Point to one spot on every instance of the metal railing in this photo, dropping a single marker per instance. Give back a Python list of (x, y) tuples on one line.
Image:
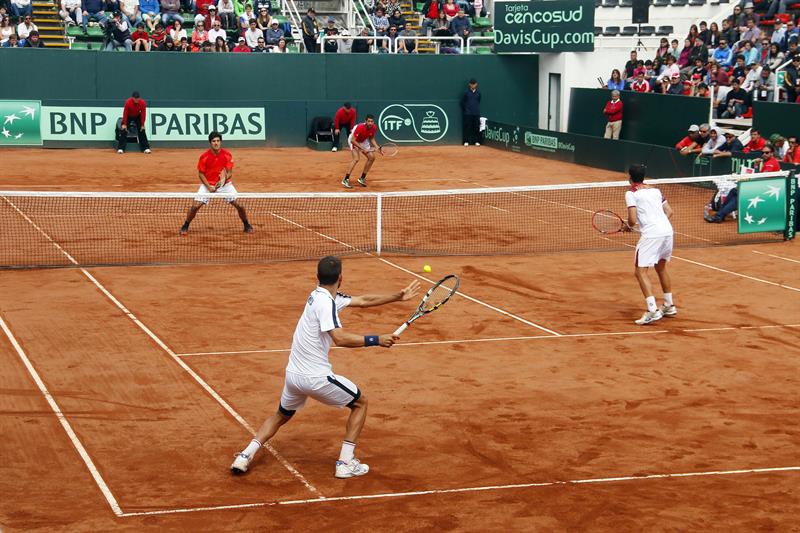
[(374, 46), (289, 7), (459, 42), (776, 95), (368, 23), (474, 38)]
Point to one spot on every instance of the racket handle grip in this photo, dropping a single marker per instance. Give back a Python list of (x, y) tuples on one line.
[(401, 329)]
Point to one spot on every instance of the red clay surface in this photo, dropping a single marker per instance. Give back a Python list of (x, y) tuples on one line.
[(471, 397)]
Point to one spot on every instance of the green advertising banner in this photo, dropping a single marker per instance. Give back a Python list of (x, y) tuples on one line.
[(762, 205), (176, 124), (543, 26), (19, 120)]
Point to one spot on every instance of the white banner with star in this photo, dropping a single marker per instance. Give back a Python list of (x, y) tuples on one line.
[(20, 123), (762, 205)]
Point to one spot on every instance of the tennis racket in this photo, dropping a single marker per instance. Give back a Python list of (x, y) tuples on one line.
[(437, 296), (388, 149), (608, 222)]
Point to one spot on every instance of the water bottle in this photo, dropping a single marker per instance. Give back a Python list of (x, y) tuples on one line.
[(707, 209)]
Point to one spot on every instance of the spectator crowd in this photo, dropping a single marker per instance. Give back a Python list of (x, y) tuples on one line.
[(240, 25), (735, 64)]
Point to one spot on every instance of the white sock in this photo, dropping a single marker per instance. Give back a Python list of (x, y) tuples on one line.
[(651, 303), (252, 448), (348, 448), (668, 298)]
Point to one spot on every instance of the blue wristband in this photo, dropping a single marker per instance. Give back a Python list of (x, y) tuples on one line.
[(371, 340)]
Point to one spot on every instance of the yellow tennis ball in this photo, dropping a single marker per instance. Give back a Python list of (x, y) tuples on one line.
[(426, 268)]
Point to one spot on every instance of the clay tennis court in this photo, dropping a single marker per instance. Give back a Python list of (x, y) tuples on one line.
[(530, 401)]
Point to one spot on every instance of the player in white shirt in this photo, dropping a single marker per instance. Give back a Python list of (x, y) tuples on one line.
[(651, 211), (309, 372)]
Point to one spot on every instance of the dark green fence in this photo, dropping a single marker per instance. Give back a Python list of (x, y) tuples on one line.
[(293, 87), (646, 117), (772, 117)]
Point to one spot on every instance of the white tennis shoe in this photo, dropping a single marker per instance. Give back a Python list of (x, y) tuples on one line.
[(240, 464), (649, 317), (668, 310), (354, 468)]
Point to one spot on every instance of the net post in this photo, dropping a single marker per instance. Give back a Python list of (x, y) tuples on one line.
[(791, 206), (378, 222)]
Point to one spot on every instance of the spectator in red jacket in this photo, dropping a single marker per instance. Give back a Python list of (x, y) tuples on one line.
[(756, 143), (687, 143), (793, 151), (613, 112), (769, 163), (133, 114), (241, 46), (345, 117), (640, 85)]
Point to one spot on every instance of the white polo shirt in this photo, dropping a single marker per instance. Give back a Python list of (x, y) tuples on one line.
[(312, 339), (649, 204)]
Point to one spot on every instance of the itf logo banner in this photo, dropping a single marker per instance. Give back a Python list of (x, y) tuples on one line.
[(20, 123), (413, 123)]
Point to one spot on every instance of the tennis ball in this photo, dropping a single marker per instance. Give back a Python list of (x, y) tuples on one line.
[(426, 268)]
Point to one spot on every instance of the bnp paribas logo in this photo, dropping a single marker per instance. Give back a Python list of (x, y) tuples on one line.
[(762, 205), (20, 123), (413, 123)]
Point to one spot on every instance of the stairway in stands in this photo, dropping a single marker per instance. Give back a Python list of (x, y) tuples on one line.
[(51, 29)]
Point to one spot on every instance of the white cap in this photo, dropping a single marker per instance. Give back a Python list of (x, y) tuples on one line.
[(694, 127)]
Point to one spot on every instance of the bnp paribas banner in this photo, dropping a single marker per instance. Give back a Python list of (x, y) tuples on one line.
[(764, 205), (31, 123), (543, 26)]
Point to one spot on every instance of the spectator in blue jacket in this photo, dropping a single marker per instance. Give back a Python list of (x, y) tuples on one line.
[(471, 111), (461, 25), (723, 55), (93, 10), (151, 13)]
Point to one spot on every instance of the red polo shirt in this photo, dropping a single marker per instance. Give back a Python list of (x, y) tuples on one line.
[(771, 165), (211, 164), (133, 110), (364, 132), (344, 116)]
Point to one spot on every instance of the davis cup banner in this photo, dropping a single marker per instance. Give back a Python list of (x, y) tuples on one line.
[(543, 26)]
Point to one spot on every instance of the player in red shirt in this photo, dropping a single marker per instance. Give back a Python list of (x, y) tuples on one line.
[(215, 170), (134, 112), (362, 140), (345, 117)]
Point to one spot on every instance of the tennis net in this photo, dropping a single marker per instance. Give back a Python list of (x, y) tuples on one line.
[(51, 229)]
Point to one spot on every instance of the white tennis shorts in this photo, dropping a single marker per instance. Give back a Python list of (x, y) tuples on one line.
[(227, 190), (365, 144), (650, 251), (334, 390)]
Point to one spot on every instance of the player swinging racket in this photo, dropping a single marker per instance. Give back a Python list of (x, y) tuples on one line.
[(648, 208), (362, 141), (309, 372), (215, 170)]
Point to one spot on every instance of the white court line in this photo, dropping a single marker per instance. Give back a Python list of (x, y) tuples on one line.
[(459, 293), (775, 256), (98, 479), (588, 481), (213, 393), (731, 272), (521, 338)]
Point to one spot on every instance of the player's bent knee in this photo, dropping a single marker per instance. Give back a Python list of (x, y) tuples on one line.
[(286, 414), (359, 402)]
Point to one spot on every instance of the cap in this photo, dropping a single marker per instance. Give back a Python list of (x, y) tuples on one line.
[(748, 5), (273, 22), (694, 127), (212, 6), (729, 134), (241, 39)]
